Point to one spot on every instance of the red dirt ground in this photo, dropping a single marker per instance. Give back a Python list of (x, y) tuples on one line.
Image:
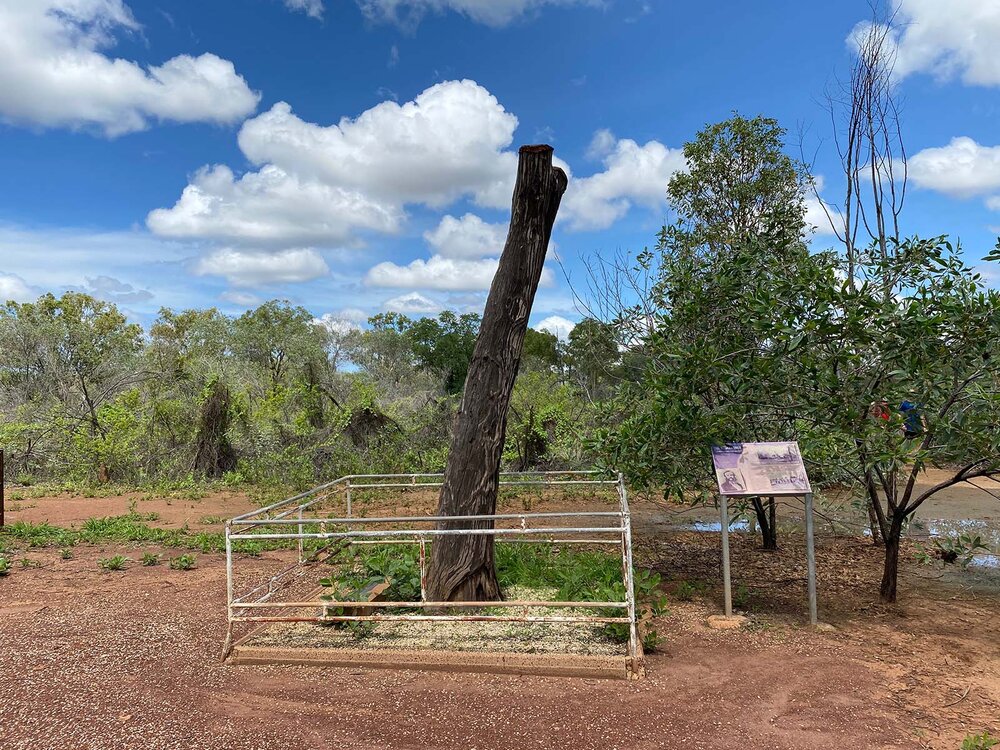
[(131, 660)]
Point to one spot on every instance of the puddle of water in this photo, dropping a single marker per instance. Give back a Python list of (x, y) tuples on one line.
[(939, 527), (716, 526), (987, 531), (991, 561)]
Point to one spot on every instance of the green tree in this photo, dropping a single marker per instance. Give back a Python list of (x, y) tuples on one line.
[(444, 346), (186, 342), (740, 188), (853, 355), (545, 416), (541, 351), (740, 230), (278, 337), (382, 351), (592, 356), (74, 354)]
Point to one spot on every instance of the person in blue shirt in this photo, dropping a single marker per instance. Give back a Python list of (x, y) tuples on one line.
[(913, 419)]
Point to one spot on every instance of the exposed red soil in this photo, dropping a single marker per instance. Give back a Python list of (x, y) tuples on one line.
[(131, 660), (171, 512)]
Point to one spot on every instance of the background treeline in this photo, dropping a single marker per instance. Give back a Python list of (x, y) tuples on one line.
[(270, 398), (879, 355)]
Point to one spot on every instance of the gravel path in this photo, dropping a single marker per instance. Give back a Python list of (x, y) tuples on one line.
[(130, 660)]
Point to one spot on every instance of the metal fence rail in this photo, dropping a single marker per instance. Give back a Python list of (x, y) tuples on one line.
[(297, 518)]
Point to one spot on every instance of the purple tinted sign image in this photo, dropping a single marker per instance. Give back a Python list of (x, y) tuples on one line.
[(760, 469)]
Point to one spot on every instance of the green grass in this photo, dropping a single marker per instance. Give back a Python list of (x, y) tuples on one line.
[(130, 528), (37, 534), (574, 575)]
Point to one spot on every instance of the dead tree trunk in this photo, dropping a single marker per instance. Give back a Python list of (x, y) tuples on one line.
[(214, 455), (462, 566)]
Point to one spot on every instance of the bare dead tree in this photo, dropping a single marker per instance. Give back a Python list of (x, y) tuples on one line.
[(864, 114), (462, 567)]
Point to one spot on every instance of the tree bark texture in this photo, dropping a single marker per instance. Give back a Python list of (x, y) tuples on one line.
[(462, 567)]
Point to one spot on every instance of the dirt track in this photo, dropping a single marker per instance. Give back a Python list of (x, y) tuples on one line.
[(124, 660), (130, 660)]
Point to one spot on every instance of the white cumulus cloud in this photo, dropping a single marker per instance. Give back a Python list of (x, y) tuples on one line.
[(270, 207), (258, 268), (948, 39), (962, 169), (14, 288), (344, 321), (819, 217), (467, 237), (557, 325), (633, 175), (54, 72), (319, 184), (439, 272), (242, 299), (413, 303), (312, 8), (444, 144)]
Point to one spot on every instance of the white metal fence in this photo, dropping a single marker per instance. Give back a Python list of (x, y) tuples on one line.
[(302, 517)]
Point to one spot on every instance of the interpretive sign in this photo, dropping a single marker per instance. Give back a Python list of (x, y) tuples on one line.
[(760, 469)]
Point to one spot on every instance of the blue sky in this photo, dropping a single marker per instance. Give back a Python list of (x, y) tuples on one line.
[(355, 156)]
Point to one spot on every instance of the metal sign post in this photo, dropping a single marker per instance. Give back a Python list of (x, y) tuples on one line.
[(811, 559), (763, 469), (727, 585)]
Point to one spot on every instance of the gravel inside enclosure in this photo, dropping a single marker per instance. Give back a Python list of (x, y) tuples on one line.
[(512, 637)]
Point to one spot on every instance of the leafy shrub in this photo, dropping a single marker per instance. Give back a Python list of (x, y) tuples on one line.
[(400, 567), (183, 562), (117, 562), (4, 567), (685, 591), (741, 596), (66, 553), (982, 741), (959, 549), (150, 559)]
